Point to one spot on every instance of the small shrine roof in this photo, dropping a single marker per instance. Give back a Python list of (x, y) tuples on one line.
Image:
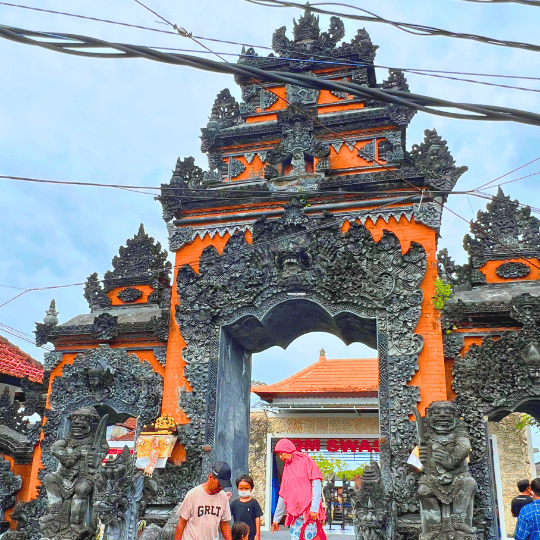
[(17, 363), (359, 376)]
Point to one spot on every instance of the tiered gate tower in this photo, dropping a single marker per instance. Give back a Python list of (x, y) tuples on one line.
[(311, 217)]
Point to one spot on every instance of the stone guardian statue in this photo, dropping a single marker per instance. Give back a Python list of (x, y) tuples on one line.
[(71, 486), (446, 487)]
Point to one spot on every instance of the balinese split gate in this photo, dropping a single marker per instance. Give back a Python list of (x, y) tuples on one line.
[(312, 216)]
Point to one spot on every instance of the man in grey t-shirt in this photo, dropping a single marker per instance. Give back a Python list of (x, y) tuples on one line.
[(205, 510)]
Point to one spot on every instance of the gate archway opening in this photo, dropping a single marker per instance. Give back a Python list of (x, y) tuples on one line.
[(239, 340)]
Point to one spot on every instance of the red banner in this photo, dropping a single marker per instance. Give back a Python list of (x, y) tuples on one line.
[(337, 445)]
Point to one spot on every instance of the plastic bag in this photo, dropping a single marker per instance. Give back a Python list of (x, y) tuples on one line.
[(319, 535)]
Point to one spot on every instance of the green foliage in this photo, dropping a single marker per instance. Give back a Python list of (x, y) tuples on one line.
[(442, 293), (330, 466), (526, 420)]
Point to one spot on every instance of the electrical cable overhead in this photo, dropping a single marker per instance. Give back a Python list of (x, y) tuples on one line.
[(410, 28), (321, 58), (506, 174), (533, 3), (72, 44)]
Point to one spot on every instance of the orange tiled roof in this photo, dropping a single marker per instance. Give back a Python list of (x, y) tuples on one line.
[(334, 376), (129, 436), (130, 423), (17, 363)]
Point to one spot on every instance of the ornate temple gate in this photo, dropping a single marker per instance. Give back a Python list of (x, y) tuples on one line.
[(312, 217)]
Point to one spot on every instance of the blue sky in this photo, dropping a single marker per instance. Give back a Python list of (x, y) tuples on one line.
[(126, 122)]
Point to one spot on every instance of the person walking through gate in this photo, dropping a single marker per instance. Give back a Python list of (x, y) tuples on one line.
[(528, 525), (205, 510), (300, 492), (522, 499)]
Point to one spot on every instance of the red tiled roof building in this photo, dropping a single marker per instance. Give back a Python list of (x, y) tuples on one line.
[(16, 364)]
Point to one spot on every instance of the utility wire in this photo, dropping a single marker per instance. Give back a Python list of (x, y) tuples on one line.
[(534, 3), (286, 236), (322, 58), (410, 28), (506, 174), (72, 44)]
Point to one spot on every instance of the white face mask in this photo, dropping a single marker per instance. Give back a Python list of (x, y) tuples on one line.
[(244, 492)]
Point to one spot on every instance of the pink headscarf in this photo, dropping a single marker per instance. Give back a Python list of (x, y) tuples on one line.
[(296, 489)]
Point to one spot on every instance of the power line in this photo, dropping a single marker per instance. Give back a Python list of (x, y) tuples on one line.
[(329, 60), (72, 44), (506, 174), (410, 28), (534, 3), (4, 328)]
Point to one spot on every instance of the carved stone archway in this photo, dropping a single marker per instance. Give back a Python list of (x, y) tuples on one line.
[(493, 380), (347, 277)]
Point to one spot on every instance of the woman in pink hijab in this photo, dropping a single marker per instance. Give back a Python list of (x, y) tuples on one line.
[(300, 492)]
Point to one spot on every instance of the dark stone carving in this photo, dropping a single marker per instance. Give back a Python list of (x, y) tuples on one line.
[(453, 343), (141, 261), (27, 515), (160, 326), (178, 237), (105, 326), (267, 99), (391, 149), (399, 114), (225, 111), (17, 436), (429, 213), (298, 140), (396, 81), (371, 506), (345, 272), (119, 488), (71, 487), (433, 159), (51, 360), (102, 376), (51, 316), (513, 270), (10, 483), (161, 355), (502, 231), (307, 36), (460, 276), (446, 487), (43, 330), (236, 167), (300, 94), (185, 175), (492, 380), (95, 295), (129, 294), (367, 152)]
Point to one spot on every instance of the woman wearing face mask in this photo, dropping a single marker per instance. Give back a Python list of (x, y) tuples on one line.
[(300, 492), (246, 508)]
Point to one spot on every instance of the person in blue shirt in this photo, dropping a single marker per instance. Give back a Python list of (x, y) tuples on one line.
[(528, 525)]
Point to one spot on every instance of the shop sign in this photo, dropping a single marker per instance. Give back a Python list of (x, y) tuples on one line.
[(337, 445)]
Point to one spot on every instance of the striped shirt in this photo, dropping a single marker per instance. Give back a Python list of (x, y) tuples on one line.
[(528, 525)]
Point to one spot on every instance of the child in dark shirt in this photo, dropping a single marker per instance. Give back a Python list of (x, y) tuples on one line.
[(246, 508)]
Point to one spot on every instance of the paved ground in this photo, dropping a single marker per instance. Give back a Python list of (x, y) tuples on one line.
[(334, 534)]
